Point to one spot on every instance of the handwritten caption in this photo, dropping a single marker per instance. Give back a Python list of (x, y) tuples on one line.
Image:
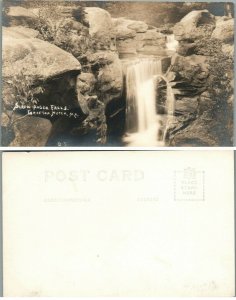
[(46, 110)]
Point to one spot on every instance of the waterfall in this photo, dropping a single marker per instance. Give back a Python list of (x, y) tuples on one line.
[(143, 125), (171, 44)]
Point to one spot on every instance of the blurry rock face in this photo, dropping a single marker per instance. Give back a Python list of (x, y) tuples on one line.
[(125, 28), (192, 25), (85, 82), (19, 16), (224, 30), (99, 20), (110, 80), (133, 36)]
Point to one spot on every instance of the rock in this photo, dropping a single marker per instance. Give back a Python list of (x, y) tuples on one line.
[(192, 69), (125, 28), (29, 63), (138, 26), (121, 29), (165, 63), (85, 82), (34, 57), (150, 41), (228, 49), (186, 105), (100, 58), (193, 25), (133, 36), (5, 120), (197, 133), (100, 22), (191, 73), (31, 132), (186, 49), (19, 16), (151, 35), (124, 33), (84, 86), (205, 102), (93, 102), (83, 104), (128, 46), (20, 32), (224, 30), (110, 81)]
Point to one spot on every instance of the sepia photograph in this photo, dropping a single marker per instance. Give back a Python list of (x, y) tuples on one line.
[(117, 74)]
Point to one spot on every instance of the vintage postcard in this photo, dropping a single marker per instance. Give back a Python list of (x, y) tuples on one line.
[(131, 224), (117, 73)]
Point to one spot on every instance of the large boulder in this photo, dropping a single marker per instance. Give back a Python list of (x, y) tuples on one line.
[(189, 74), (32, 60), (125, 28), (100, 22), (193, 25), (110, 80), (224, 30), (107, 68), (197, 133), (36, 57), (100, 58), (20, 32), (19, 16), (85, 82), (31, 132), (134, 36), (186, 106), (36, 72)]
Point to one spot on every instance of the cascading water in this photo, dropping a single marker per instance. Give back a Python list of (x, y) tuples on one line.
[(144, 126), (141, 119), (171, 44)]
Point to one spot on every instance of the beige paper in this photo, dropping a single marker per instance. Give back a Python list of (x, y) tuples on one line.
[(118, 223)]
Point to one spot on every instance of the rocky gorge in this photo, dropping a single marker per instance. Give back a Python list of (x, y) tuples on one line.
[(64, 80)]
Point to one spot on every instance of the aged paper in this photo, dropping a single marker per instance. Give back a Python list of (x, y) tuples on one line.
[(118, 223)]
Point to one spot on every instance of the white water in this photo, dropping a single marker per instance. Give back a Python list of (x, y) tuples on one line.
[(171, 44), (144, 126)]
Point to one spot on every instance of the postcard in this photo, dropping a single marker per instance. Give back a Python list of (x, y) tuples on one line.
[(134, 223), (117, 73)]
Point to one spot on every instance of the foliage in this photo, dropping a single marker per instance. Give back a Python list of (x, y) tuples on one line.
[(63, 24), (208, 46), (219, 84), (220, 67), (24, 91), (25, 95)]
